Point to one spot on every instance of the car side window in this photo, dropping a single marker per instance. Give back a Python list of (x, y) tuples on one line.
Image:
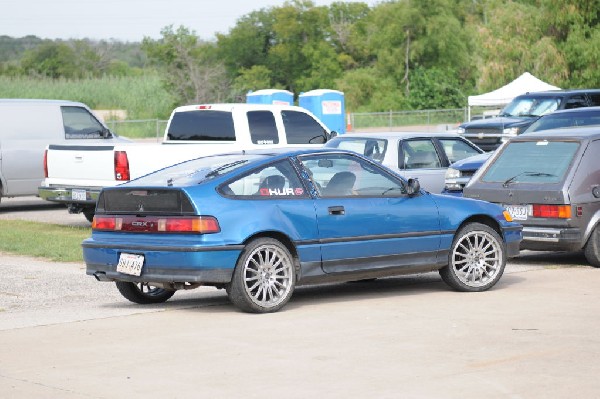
[(342, 175), (418, 154), (577, 101), (594, 99), (301, 128), (263, 129), (457, 149), (278, 180), (79, 123)]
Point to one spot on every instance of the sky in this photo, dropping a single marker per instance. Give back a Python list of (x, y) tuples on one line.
[(125, 20)]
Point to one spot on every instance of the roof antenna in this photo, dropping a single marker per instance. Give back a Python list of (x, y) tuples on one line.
[(243, 152)]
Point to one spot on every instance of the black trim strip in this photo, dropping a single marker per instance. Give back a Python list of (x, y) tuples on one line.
[(374, 237), (512, 228), (57, 147), (164, 248)]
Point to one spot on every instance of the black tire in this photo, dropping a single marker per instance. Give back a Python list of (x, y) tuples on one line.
[(477, 259), (89, 214), (264, 277), (143, 293), (592, 248)]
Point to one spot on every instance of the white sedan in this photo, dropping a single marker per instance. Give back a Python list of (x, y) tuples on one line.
[(421, 155)]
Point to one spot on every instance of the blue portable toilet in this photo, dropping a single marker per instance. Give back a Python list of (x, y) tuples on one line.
[(328, 106), (270, 96)]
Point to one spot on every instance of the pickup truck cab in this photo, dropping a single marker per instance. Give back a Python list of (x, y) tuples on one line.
[(76, 174), (28, 126), (521, 112)]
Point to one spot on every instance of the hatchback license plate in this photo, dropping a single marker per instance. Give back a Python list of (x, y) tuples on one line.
[(518, 212), (78, 195), (130, 264)]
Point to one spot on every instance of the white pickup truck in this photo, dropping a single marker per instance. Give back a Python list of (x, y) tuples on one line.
[(75, 174)]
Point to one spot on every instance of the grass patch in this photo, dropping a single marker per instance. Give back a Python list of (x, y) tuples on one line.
[(43, 240)]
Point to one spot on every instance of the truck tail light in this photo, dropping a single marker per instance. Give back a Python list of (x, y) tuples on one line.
[(552, 211), (171, 224), (121, 166), (45, 164)]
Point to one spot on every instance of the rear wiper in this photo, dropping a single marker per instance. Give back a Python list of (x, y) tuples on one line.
[(223, 167), (510, 180)]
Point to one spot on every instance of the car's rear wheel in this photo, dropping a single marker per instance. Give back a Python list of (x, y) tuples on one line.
[(143, 293), (592, 248), (476, 260), (264, 277)]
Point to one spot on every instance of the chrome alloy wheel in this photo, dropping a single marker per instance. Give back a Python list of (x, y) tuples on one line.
[(268, 275), (477, 258)]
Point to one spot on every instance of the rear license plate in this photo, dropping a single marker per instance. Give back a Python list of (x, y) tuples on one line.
[(78, 195), (130, 264), (518, 212)]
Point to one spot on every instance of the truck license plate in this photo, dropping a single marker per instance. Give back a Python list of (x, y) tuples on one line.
[(518, 212), (78, 195), (130, 264)]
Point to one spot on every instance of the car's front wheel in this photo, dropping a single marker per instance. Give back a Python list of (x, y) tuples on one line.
[(476, 260), (264, 277), (143, 293), (592, 248)]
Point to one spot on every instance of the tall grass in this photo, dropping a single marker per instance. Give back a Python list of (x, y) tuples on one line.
[(143, 97)]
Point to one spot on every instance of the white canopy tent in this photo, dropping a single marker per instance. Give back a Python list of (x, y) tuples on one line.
[(502, 96)]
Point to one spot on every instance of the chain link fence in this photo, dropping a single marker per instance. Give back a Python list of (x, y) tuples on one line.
[(423, 120)]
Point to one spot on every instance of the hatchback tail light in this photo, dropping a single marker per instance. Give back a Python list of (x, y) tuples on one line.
[(171, 224), (551, 211), (121, 166)]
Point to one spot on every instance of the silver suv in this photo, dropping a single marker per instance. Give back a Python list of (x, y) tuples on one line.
[(550, 183)]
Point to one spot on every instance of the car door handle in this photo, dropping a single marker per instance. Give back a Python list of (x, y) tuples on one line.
[(336, 210)]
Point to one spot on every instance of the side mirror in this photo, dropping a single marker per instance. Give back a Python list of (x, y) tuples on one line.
[(413, 188)]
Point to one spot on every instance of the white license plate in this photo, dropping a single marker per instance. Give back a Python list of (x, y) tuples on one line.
[(78, 195), (518, 212), (130, 264)]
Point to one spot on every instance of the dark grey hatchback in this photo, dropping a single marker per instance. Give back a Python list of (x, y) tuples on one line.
[(550, 183)]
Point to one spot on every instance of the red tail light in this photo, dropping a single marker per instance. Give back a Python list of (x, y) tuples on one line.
[(171, 224), (121, 166), (552, 211), (46, 164)]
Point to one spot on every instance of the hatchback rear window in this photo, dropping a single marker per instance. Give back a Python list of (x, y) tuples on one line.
[(202, 125), (532, 162)]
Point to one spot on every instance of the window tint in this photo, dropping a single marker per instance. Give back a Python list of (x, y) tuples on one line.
[(301, 128), (262, 127), (79, 123), (372, 148), (457, 149), (419, 154), (206, 125), (340, 175), (275, 180), (532, 162)]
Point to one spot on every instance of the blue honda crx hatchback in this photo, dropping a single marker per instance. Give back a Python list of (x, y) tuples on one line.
[(260, 223)]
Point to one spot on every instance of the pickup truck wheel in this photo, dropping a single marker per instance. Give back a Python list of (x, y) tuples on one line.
[(264, 277), (592, 248), (477, 259), (89, 214), (143, 293)]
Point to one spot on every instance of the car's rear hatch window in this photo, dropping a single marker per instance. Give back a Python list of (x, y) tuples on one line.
[(540, 161), (202, 125), (142, 201)]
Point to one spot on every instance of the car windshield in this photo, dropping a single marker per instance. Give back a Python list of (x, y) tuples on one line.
[(565, 120), (540, 161), (370, 147), (196, 171), (531, 106)]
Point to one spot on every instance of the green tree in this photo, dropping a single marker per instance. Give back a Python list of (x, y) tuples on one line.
[(189, 66), (50, 59)]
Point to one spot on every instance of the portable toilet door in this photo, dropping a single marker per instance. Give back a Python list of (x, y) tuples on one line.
[(328, 106), (270, 96)]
